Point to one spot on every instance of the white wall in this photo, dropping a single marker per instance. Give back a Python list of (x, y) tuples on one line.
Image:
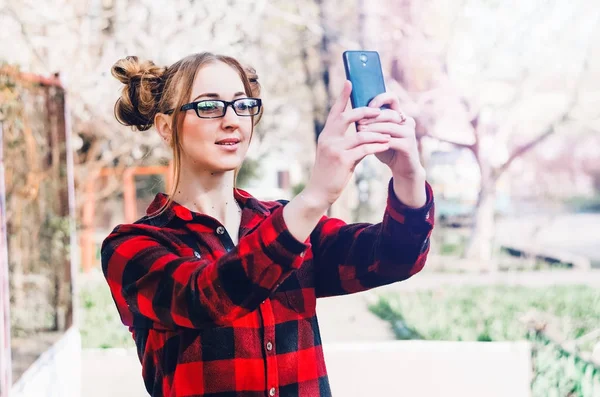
[(430, 369)]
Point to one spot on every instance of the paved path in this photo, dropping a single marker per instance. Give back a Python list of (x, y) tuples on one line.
[(348, 319), (428, 280)]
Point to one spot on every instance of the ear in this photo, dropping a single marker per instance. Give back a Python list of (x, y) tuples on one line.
[(162, 122)]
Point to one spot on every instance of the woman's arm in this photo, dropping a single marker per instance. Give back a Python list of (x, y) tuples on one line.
[(350, 258), (154, 286)]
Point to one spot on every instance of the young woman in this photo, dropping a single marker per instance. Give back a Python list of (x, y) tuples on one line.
[(219, 288)]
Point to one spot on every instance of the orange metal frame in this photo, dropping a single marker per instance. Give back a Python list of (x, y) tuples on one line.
[(129, 204)]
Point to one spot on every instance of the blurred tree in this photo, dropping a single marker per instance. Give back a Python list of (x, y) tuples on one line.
[(498, 78), (495, 89), (250, 170)]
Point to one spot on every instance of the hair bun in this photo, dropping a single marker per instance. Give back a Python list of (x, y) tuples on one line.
[(143, 82), (131, 68), (253, 80)]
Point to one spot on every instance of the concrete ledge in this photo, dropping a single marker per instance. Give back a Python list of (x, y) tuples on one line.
[(56, 372), (396, 368), (430, 369)]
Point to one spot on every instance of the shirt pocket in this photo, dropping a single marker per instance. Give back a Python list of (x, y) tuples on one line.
[(302, 301), (298, 292)]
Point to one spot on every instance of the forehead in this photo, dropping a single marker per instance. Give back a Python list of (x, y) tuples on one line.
[(218, 78)]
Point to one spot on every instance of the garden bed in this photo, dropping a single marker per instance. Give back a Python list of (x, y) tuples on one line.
[(499, 313)]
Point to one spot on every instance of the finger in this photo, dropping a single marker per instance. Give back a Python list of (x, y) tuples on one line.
[(360, 152), (385, 116), (365, 138), (386, 98), (408, 121), (393, 129), (342, 101), (354, 115)]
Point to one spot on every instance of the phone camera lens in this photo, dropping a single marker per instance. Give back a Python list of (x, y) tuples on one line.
[(363, 58)]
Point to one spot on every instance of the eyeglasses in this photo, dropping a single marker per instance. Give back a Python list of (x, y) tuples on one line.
[(215, 108)]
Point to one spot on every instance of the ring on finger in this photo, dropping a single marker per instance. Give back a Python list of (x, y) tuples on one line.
[(402, 116)]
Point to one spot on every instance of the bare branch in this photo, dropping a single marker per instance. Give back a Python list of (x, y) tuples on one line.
[(520, 151), (474, 120), (458, 144)]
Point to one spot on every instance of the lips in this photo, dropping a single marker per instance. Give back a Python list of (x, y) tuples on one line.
[(228, 141)]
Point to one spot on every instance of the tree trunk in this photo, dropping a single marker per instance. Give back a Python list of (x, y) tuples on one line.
[(479, 248), (480, 243)]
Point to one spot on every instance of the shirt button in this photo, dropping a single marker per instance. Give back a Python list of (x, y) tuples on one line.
[(302, 254), (197, 254), (269, 346), (272, 391), (220, 230)]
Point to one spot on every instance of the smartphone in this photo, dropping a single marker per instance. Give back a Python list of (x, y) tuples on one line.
[(363, 69)]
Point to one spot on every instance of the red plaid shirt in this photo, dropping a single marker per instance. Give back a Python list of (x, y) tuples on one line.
[(213, 319)]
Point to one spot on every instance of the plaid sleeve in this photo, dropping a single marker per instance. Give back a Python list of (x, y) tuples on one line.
[(356, 257), (153, 286)]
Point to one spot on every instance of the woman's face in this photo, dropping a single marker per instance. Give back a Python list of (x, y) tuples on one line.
[(219, 144)]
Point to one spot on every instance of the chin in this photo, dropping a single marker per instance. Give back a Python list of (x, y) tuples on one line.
[(225, 165), (218, 162), (222, 168)]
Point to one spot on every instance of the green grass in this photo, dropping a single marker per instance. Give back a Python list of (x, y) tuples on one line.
[(487, 313), (101, 326)]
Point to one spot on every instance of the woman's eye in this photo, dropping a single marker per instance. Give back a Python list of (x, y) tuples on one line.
[(207, 106)]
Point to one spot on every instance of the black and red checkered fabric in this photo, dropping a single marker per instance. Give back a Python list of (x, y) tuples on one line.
[(210, 318)]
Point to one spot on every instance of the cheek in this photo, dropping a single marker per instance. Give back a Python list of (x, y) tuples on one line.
[(247, 128), (194, 132)]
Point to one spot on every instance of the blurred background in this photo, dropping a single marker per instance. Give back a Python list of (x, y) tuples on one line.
[(506, 96)]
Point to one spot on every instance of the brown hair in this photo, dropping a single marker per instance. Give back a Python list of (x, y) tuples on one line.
[(150, 89)]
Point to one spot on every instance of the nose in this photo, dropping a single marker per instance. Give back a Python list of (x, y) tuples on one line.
[(230, 120)]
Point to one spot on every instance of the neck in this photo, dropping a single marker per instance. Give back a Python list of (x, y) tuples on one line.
[(208, 193)]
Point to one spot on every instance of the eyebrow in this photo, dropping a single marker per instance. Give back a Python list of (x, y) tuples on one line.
[(215, 95)]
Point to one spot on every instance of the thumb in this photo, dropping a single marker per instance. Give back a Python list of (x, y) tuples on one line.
[(342, 101)]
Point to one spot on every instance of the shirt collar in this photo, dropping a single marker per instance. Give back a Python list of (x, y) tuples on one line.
[(175, 210)]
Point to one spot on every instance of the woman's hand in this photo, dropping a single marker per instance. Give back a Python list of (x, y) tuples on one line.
[(403, 154), (340, 149), (338, 152)]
